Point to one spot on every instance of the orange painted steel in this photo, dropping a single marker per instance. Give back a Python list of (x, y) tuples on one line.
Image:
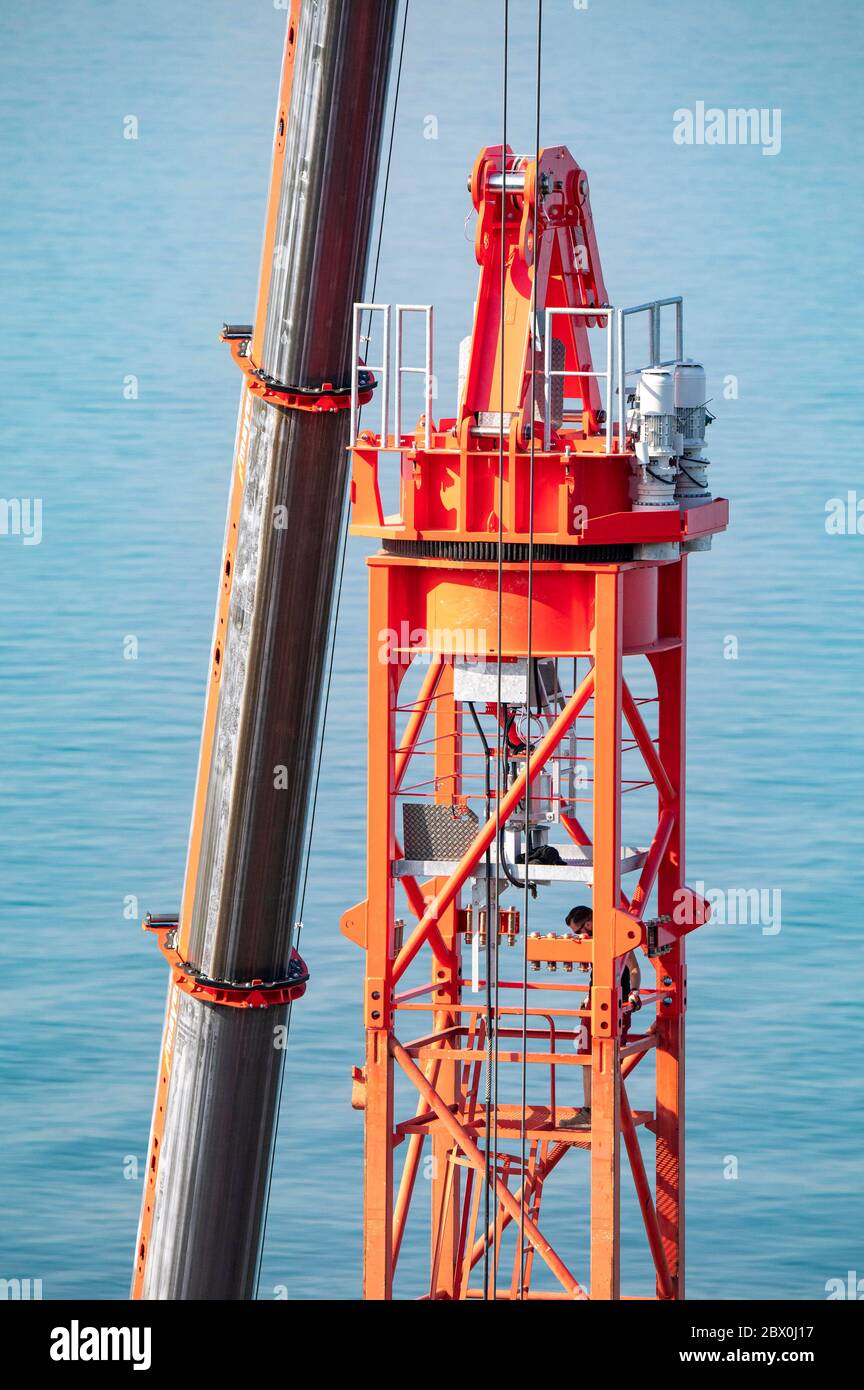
[(475, 1157), (643, 1192), (417, 719), (280, 137), (328, 398), (550, 238), (444, 897), (257, 994), (531, 1185), (594, 601)]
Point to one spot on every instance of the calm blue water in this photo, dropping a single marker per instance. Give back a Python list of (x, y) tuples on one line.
[(121, 257)]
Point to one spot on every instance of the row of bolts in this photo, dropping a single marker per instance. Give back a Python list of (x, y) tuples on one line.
[(509, 929)]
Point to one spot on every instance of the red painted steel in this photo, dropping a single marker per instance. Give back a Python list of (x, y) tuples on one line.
[(442, 587)]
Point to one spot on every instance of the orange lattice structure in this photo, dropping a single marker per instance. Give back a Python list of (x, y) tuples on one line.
[(541, 538)]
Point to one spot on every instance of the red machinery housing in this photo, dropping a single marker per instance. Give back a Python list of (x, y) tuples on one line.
[(541, 539)]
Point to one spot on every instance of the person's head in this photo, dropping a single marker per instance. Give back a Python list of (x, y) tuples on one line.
[(580, 919)]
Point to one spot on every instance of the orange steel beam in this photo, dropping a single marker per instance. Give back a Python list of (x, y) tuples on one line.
[(534, 1180), (444, 1212), (446, 1185), (670, 674), (630, 1063), (651, 867), (416, 720), (474, 1187), (413, 891), (649, 1215), (536, 237), (380, 850), (417, 903), (535, 763), (575, 830), (410, 738), (464, 1141), (279, 143), (413, 1154), (645, 742), (523, 1258), (605, 1062)]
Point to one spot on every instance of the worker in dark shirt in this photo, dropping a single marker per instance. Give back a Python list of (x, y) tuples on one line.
[(580, 920)]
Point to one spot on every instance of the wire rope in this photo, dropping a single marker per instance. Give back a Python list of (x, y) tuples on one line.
[(523, 1190)]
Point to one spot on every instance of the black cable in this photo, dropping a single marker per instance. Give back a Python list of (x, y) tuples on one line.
[(492, 929), (509, 720), (386, 183), (487, 753), (667, 482), (695, 481)]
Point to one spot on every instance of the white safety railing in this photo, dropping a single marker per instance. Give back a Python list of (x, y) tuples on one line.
[(652, 308), (383, 371), (425, 371), (357, 366), (614, 377), (596, 311)]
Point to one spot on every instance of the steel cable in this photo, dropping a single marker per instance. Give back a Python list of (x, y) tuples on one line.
[(530, 634), (492, 909)]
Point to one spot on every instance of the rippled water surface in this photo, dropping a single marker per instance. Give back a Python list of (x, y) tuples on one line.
[(120, 258)]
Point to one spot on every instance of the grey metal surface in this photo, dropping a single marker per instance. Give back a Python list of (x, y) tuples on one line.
[(430, 831), (222, 1100), (578, 866), (216, 1153)]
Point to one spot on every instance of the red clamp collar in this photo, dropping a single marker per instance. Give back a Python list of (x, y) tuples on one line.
[(253, 994), (327, 397)]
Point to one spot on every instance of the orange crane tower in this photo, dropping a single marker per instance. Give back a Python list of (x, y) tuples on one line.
[(541, 539)]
